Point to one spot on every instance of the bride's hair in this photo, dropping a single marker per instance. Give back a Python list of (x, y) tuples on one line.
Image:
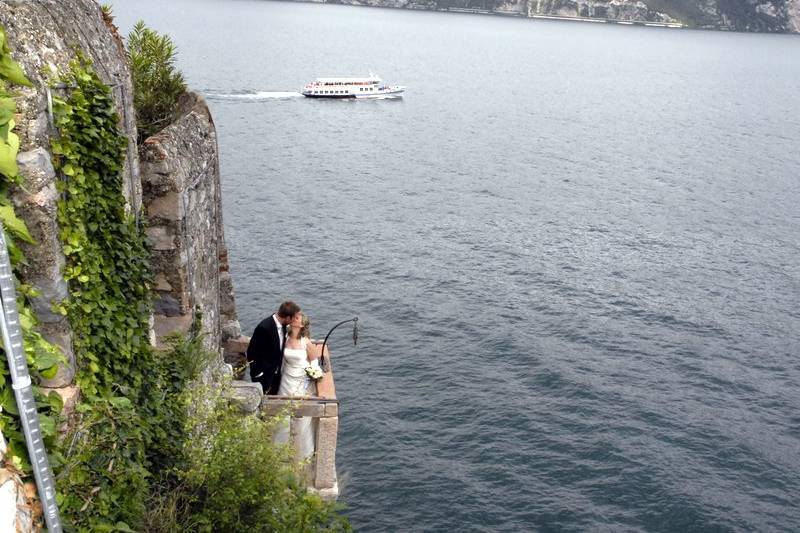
[(305, 330)]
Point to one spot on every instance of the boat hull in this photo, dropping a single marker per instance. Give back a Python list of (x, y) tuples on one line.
[(389, 92), (340, 96), (381, 94)]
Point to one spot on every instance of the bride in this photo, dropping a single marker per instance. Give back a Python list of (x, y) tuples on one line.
[(298, 354)]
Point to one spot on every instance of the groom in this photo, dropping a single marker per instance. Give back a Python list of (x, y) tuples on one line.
[(265, 351)]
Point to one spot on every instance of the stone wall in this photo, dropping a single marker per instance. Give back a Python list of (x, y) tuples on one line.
[(182, 177), (43, 35), (180, 180)]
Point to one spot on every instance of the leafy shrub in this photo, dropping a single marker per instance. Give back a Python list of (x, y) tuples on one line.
[(232, 478), (157, 85)]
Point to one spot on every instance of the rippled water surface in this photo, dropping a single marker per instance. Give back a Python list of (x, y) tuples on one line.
[(573, 248)]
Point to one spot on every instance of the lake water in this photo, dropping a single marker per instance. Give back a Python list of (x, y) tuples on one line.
[(573, 249)]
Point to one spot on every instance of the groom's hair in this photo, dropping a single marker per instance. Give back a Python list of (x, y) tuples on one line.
[(288, 308)]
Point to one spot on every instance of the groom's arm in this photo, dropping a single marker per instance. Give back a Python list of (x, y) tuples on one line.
[(255, 351)]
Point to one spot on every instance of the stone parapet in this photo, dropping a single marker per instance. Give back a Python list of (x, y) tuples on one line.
[(246, 396), (324, 407)]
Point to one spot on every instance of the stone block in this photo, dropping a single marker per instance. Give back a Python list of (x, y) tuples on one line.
[(275, 405), (332, 409), (64, 376), (230, 329), (164, 325), (166, 305), (161, 237), (51, 289), (309, 408), (227, 303), (246, 396), (154, 159), (162, 284), (326, 387), (237, 345), (166, 207), (327, 430), (238, 362), (233, 358), (69, 396), (37, 168), (328, 495), (8, 500)]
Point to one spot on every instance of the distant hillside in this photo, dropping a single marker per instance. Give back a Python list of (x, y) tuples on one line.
[(776, 16)]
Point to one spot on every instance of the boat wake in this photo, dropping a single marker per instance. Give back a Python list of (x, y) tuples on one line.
[(260, 95)]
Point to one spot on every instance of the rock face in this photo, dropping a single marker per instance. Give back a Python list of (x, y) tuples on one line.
[(180, 180), (182, 202), (43, 35), (740, 15)]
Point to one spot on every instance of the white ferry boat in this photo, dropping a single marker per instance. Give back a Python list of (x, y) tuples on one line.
[(367, 87)]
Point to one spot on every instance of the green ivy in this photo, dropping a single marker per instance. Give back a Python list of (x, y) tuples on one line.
[(42, 357), (104, 481), (107, 258)]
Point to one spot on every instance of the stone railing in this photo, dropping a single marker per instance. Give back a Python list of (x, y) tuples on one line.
[(324, 408)]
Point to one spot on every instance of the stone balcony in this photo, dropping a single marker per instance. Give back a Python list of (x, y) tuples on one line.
[(323, 407)]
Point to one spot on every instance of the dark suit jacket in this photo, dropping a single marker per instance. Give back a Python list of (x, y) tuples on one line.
[(265, 355)]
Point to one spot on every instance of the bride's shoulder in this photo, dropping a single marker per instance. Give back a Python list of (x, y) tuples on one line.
[(310, 345)]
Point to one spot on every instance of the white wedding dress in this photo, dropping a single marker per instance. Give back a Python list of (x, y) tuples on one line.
[(295, 382)]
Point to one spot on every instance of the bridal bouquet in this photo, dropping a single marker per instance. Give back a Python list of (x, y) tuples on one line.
[(314, 372)]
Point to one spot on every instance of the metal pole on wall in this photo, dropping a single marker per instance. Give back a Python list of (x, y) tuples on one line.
[(23, 392)]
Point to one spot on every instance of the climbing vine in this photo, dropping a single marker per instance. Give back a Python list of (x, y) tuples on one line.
[(105, 476), (43, 357), (107, 258)]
